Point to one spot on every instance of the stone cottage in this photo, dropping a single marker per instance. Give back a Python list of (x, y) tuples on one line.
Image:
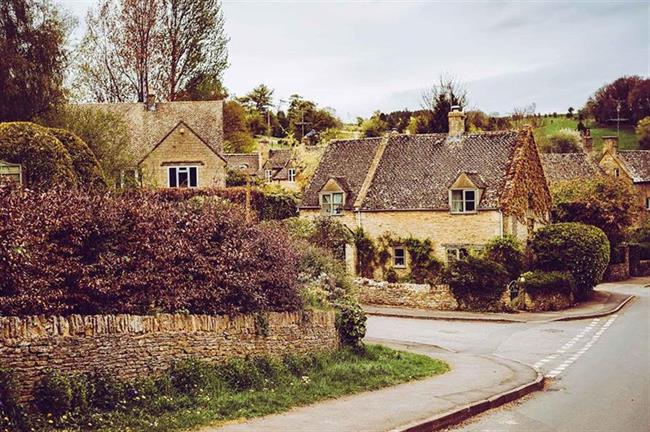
[(631, 165), (173, 144), (273, 166), (458, 189)]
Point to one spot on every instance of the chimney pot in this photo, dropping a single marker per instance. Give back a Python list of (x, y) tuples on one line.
[(456, 121), (151, 101)]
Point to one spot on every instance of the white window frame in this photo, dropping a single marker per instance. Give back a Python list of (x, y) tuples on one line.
[(179, 168), (403, 258), (456, 253), (463, 201), (269, 175), (328, 206), (292, 175)]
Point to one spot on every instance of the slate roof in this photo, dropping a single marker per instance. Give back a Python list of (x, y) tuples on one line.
[(637, 162), (568, 166), (415, 171), (147, 127), (234, 161), (279, 161), (348, 161)]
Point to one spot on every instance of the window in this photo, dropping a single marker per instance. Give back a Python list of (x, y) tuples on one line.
[(269, 175), (647, 203), (463, 200), (399, 257), (183, 176), (454, 254), (332, 203), (617, 172), (243, 166), (292, 174)]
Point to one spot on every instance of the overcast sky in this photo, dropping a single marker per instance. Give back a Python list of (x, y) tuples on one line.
[(357, 57)]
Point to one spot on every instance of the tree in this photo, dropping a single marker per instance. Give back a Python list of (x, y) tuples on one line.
[(525, 116), (440, 98), (235, 128), (136, 47), (32, 40), (562, 141), (203, 87), (627, 97), (643, 133), (259, 99), (570, 112), (374, 126), (304, 115), (606, 202)]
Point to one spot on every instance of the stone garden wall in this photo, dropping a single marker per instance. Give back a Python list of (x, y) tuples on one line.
[(130, 346), (547, 302), (422, 296)]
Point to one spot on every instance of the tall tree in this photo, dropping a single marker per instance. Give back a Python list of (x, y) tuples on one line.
[(626, 98), (134, 47), (32, 49), (260, 98), (439, 99)]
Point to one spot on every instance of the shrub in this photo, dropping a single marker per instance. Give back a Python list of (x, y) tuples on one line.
[(236, 177), (563, 141), (45, 160), (425, 267), (507, 251), (366, 253), (12, 415), (319, 268), (351, 324), (391, 275), (542, 282), (63, 252), (278, 204), (104, 392), (89, 172), (190, 376), (477, 283), (242, 374), (582, 250), (53, 394), (324, 232), (641, 234), (643, 133)]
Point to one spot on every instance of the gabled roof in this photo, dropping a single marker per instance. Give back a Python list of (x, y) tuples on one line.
[(637, 163), (148, 127), (414, 171), (568, 166), (279, 162), (349, 160), (235, 161)]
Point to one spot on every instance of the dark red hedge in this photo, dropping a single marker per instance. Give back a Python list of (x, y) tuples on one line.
[(65, 252)]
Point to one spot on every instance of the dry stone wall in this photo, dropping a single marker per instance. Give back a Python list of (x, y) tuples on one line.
[(130, 346), (421, 296)]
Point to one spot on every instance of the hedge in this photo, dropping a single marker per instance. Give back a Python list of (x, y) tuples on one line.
[(477, 283), (66, 252), (582, 250), (539, 282), (507, 251), (85, 164), (45, 161)]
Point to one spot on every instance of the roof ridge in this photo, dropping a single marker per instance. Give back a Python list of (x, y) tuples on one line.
[(372, 169)]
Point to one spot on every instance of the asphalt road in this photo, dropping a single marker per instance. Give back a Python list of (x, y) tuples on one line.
[(598, 369)]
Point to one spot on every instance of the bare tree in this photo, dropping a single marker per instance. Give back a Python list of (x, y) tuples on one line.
[(439, 99), (525, 116)]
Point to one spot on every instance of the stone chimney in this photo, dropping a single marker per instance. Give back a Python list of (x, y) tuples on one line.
[(610, 145), (264, 151), (456, 121), (151, 101), (587, 141)]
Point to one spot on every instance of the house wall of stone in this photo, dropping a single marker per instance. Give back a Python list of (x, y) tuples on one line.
[(608, 163), (130, 346), (182, 147)]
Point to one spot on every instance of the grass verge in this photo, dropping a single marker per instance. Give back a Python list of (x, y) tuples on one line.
[(193, 394), (627, 141)]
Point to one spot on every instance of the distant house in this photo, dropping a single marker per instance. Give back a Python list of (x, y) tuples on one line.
[(268, 165), (173, 144), (11, 171), (559, 167), (458, 189), (631, 165)]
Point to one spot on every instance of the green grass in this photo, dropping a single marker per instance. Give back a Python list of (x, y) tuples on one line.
[(217, 397), (627, 140)]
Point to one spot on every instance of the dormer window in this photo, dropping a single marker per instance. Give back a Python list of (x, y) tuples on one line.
[(292, 174), (331, 203), (463, 200), (269, 175)]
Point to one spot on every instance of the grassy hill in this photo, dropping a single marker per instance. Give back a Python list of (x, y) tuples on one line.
[(627, 139)]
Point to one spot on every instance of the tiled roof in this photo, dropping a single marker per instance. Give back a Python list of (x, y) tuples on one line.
[(415, 171), (147, 127), (348, 160), (235, 161), (568, 166), (279, 161), (637, 162)]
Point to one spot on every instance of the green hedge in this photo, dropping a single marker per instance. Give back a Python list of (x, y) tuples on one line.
[(542, 282), (86, 166), (507, 251), (580, 249), (477, 283), (44, 159)]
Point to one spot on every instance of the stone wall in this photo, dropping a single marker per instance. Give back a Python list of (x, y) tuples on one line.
[(130, 346), (547, 302), (421, 296)]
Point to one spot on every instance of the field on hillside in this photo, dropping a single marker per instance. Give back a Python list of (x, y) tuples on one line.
[(627, 140)]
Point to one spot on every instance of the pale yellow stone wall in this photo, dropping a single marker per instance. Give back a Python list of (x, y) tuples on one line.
[(608, 163), (182, 147)]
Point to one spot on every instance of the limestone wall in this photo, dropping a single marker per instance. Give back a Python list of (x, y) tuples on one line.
[(130, 346), (421, 296)]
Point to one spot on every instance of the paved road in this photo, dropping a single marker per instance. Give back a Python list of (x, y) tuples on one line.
[(599, 370)]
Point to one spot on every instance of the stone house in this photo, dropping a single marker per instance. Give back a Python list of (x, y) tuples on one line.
[(173, 144), (631, 165), (559, 167), (458, 189), (11, 171), (272, 166)]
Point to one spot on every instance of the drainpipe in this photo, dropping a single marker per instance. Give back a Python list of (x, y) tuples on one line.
[(500, 223), (359, 218)]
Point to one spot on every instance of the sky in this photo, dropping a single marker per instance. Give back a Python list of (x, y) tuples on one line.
[(361, 56)]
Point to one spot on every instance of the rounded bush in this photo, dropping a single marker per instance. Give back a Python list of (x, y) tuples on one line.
[(86, 166), (351, 324), (45, 161), (477, 283), (53, 394), (582, 250), (507, 251), (542, 282)]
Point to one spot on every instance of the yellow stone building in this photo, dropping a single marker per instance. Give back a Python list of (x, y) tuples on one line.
[(458, 189)]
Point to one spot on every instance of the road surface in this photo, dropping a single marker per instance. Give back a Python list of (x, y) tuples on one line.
[(598, 370)]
